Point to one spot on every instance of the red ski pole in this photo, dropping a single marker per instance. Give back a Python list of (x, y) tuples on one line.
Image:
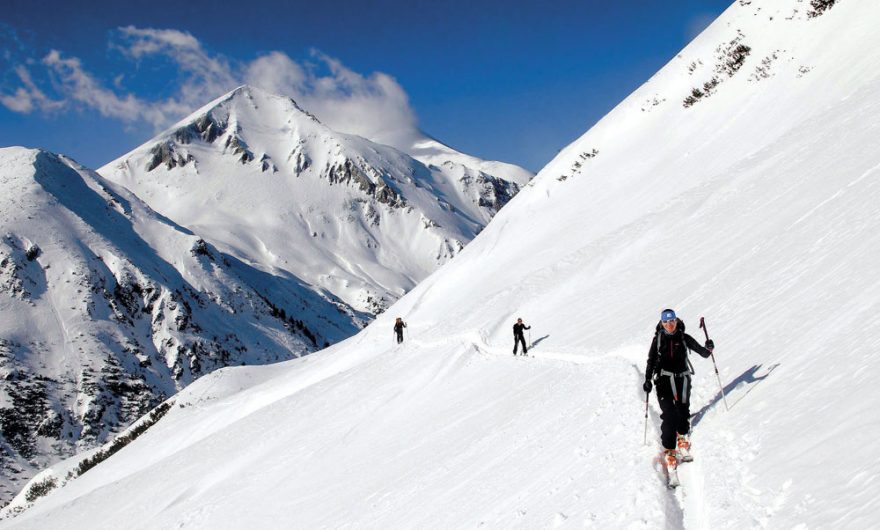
[(706, 332)]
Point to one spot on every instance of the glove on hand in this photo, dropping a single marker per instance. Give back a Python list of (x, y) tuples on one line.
[(710, 345), (647, 386)]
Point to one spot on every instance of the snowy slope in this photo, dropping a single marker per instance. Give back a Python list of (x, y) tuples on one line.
[(109, 308), (754, 206), (266, 181)]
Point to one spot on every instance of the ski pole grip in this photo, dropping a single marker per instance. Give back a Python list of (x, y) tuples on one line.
[(703, 326)]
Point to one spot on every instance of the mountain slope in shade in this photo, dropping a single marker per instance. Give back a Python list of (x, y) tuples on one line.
[(754, 206), (108, 308), (266, 181)]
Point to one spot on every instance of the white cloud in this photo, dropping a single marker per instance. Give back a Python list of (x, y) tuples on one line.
[(373, 106), (82, 87), (276, 72), (29, 97), (79, 86), (21, 101), (202, 72), (150, 41)]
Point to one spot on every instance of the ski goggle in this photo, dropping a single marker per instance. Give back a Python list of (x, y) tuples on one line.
[(670, 321)]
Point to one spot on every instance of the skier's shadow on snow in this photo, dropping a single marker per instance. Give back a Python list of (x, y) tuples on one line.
[(538, 341), (748, 377)]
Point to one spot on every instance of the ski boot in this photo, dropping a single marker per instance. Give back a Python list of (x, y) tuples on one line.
[(670, 459), (684, 448), (671, 462)]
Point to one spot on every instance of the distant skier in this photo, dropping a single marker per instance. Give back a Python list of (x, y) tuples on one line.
[(671, 370), (518, 336), (399, 324)]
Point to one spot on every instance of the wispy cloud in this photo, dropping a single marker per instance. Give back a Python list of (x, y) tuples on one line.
[(78, 85), (278, 73), (204, 77), (374, 105), (28, 97)]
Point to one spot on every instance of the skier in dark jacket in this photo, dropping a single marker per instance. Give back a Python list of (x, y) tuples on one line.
[(670, 370), (399, 324), (518, 336)]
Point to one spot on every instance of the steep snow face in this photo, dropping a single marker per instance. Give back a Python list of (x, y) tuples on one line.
[(108, 308), (754, 206), (264, 180)]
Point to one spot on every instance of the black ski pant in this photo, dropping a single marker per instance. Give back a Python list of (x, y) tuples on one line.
[(517, 339), (675, 406), (400, 336)]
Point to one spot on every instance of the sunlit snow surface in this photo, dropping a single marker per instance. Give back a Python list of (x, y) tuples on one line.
[(756, 207), (257, 234), (263, 179)]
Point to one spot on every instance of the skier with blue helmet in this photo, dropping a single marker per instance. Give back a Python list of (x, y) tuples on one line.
[(670, 370)]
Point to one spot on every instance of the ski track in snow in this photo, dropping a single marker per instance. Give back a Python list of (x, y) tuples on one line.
[(685, 506)]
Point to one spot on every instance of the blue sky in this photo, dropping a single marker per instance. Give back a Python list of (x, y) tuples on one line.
[(512, 81)]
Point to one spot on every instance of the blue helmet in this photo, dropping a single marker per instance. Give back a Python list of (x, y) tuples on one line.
[(667, 315)]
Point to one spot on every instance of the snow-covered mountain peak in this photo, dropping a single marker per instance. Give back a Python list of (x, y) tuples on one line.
[(26, 166), (755, 206), (267, 236), (247, 96), (109, 307), (223, 123), (266, 181)]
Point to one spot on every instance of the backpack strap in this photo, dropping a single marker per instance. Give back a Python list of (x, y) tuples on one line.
[(688, 355)]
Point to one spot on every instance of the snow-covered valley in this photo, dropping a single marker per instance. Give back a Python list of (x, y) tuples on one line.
[(110, 305)]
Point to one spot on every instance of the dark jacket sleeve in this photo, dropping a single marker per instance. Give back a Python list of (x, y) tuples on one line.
[(696, 346), (652, 359)]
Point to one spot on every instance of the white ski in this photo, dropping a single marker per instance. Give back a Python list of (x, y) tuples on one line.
[(684, 455), (672, 481)]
